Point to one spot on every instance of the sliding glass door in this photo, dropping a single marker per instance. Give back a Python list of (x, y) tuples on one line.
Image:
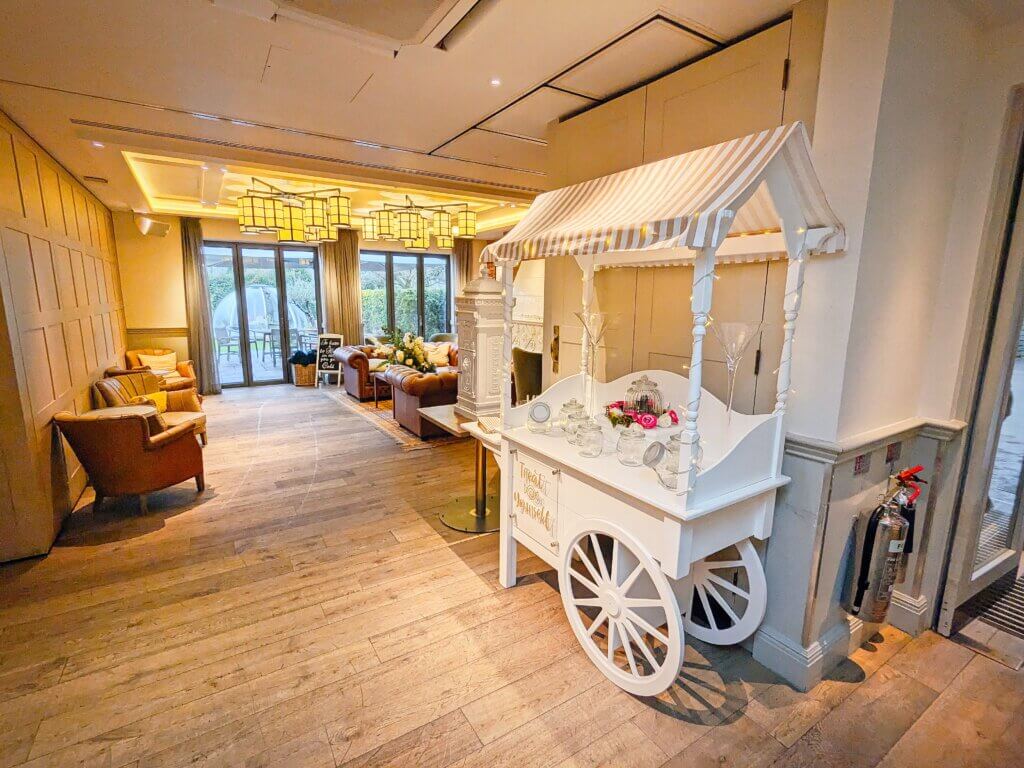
[(265, 304), (407, 291)]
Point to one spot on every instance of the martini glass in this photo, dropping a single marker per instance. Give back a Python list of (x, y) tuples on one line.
[(735, 338), (596, 324)]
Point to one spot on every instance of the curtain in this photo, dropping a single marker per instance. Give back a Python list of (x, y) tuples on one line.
[(462, 263), (339, 277), (197, 308)]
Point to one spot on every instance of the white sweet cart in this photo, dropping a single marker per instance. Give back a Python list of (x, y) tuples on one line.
[(638, 564)]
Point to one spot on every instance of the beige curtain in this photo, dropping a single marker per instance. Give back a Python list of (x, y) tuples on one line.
[(339, 278), (197, 308), (462, 263)]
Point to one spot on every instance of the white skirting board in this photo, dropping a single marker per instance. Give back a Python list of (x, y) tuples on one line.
[(803, 667)]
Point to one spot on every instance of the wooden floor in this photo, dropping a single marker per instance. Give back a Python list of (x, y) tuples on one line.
[(308, 610)]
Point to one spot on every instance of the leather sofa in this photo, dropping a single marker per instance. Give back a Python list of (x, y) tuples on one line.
[(355, 371), (123, 456), (183, 377), (184, 406), (412, 390)]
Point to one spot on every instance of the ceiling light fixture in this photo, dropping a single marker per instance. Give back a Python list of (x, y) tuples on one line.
[(296, 217), (414, 224), (98, 144), (495, 82)]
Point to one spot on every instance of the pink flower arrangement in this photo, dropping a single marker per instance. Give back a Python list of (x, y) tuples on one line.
[(647, 420), (672, 415)]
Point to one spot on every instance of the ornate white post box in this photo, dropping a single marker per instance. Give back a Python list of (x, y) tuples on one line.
[(479, 323)]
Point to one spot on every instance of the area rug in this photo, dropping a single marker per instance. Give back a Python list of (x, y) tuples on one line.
[(380, 417)]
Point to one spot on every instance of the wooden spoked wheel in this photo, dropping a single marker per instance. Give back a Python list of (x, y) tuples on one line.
[(729, 595), (622, 609)]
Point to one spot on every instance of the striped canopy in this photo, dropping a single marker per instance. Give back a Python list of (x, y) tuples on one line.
[(693, 200)]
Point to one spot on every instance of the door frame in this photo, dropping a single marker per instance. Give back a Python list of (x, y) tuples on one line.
[(282, 305), (997, 310)]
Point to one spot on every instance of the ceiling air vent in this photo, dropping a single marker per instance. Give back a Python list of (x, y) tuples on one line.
[(95, 179)]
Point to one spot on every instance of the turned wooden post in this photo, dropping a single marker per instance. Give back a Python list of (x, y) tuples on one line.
[(508, 303), (700, 305), (790, 308)]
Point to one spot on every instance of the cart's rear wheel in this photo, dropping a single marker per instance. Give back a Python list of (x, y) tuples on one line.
[(729, 595), (622, 609)]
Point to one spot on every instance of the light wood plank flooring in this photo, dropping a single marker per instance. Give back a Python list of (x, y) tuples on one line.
[(308, 610)]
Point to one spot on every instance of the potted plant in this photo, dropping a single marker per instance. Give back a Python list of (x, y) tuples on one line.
[(303, 368)]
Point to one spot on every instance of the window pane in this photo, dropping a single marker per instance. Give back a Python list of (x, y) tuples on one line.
[(220, 280), (435, 295), (261, 289), (300, 291), (405, 288), (373, 285)]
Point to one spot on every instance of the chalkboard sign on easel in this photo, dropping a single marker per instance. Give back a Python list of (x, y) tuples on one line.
[(326, 362)]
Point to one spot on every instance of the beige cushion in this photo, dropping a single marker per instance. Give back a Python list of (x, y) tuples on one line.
[(377, 364), (437, 354), (174, 418), (166, 362)]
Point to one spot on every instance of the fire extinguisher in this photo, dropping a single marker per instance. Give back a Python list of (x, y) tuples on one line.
[(882, 554), (910, 489)]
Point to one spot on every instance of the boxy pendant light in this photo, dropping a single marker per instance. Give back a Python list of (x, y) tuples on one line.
[(293, 231)]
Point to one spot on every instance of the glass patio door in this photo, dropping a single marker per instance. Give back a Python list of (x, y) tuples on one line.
[(265, 304), (989, 535)]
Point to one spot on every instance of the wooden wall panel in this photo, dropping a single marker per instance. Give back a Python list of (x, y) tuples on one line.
[(61, 325)]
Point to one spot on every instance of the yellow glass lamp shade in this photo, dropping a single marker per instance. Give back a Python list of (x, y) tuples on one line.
[(442, 224), (409, 226), (294, 230), (257, 213), (385, 223), (315, 218), (339, 211), (444, 242), (370, 228), (422, 242), (465, 224)]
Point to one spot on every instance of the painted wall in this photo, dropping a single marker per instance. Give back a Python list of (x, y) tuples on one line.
[(61, 325), (151, 274)]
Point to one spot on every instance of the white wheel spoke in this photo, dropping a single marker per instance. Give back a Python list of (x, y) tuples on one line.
[(599, 556), (587, 602), (629, 581), (611, 640), (729, 586), (643, 602), (716, 565), (639, 642), (597, 623), (724, 603), (707, 606), (629, 651), (651, 630), (615, 558), (588, 564), (584, 581)]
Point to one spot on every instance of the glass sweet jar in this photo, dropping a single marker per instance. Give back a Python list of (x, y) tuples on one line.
[(590, 439), (573, 422), (630, 447), (538, 418), (569, 407), (663, 458)]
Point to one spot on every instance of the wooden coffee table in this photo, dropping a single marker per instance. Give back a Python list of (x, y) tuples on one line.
[(381, 377)]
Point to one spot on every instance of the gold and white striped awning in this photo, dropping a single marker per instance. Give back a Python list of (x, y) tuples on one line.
[(692, 201)]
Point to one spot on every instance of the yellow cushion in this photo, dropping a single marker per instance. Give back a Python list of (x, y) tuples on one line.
[(159, 399), (438, 353), (166, 362)]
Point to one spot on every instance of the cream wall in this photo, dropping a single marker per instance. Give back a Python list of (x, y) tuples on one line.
[(61, 326), (151, 274), (1000, 68)]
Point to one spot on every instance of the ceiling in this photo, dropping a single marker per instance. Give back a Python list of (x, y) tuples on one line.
[(444, 95), (184, 186)]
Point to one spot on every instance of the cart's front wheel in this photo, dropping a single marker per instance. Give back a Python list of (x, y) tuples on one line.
[(729, 595), (622, 609)]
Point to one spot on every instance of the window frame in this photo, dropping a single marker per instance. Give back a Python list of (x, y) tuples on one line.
[(389, 286)]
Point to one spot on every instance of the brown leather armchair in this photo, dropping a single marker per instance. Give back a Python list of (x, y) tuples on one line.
[(412, 390), (184, 406), (184, 376), (123, 458), (355, 370)]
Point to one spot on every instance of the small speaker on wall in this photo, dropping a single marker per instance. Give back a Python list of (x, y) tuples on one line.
[(148, 226)]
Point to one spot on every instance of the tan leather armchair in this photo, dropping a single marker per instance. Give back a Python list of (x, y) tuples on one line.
[(185, 377), (412, 390), (123, 458), (120, 388)]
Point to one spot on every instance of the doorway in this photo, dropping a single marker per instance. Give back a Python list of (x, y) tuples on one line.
[(265, 303), (989, 534)]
